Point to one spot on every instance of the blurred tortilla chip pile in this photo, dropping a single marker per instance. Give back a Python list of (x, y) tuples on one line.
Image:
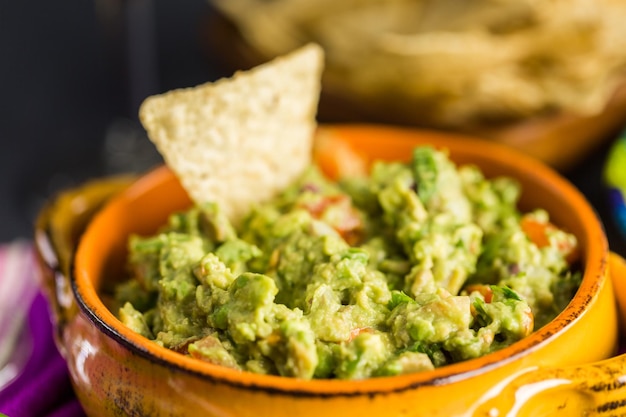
[(239, 140), (451, 63)]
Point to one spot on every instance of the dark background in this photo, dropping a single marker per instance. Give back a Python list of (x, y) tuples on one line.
[(72, 75), (70, 93)]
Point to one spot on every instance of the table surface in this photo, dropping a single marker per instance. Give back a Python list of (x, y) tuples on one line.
[(69, 98)]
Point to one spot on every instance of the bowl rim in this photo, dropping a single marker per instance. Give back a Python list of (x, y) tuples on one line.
[(596, 255)]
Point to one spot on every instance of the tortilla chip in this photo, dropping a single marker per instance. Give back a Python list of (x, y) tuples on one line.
[(240, 140)]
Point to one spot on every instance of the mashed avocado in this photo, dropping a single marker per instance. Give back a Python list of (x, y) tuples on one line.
[(416, 266)]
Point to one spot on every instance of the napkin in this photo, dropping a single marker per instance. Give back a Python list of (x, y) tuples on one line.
[(34, 379)]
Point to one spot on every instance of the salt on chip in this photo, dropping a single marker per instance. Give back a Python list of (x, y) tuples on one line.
[(240, 140)]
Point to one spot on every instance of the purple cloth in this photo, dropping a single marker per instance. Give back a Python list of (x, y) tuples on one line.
[(42, 388)]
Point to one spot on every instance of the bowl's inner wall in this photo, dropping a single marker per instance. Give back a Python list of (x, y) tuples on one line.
[(142, 209)]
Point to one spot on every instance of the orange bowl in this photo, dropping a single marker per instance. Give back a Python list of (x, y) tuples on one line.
[(117, 372)]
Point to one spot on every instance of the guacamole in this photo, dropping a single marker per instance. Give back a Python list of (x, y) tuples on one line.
[(413, 267)]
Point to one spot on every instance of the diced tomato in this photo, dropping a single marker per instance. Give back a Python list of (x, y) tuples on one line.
[(274, 338), (206, 342), (356, 332), (348, 223), (318, 207), (539, 233), (484, 290), (536, 231)]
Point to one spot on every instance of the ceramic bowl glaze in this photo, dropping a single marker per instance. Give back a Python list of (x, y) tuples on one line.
[(562, 367)]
